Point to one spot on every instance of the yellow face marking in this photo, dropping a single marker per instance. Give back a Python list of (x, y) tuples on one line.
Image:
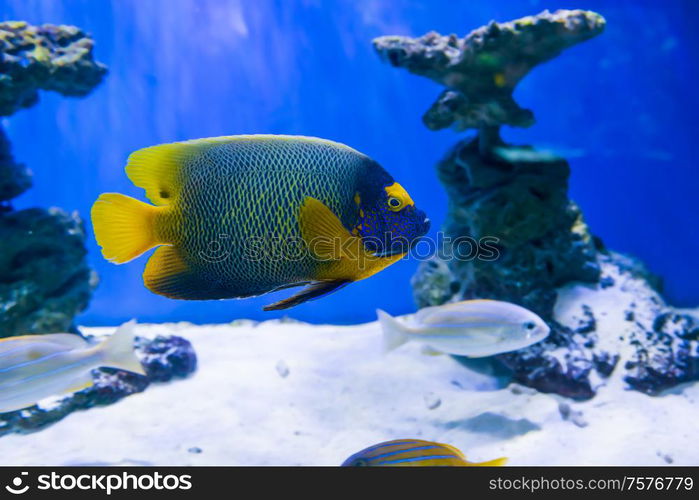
[(357, 199), (398, 197)]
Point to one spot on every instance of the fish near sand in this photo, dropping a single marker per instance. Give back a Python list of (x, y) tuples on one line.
[(413, 453), (473, 328), (240, 216), (33, 367)]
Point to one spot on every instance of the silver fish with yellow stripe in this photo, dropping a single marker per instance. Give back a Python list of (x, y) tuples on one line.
[(473, 328), (34, 367), (413, 453)]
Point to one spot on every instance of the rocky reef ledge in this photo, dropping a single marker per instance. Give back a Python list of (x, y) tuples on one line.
[(44, 277), (547, 258)]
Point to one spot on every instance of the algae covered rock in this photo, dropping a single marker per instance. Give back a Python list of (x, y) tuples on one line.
[(15, 178), (45, 280), (482, 69), (604, 309), (48, 57), (518, 198)]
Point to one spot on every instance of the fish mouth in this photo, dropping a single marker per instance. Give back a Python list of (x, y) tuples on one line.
[(397, 249)]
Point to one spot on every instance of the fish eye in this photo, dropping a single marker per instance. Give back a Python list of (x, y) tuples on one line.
[(360, 462), (529, 325), (394, 203)]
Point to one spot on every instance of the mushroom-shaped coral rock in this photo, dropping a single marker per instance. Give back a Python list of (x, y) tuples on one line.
[(482, 69), (47, 57)]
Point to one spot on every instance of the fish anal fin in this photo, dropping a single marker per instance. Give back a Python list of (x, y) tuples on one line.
[(169, 275), (80, 383), (313, 291), (323, 232)]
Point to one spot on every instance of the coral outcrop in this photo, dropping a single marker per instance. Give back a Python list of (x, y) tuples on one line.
[(47, 57), (44, 277), (45, 280), (163, 358), (15, 178), (482, 69), (517, 197)]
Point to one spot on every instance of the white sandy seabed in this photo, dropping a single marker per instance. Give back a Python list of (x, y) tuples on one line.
[(286, 393)]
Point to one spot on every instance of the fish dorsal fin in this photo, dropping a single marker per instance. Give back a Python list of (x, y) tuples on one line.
[(442, 318), (323, 232), (313, 291), (157, 168), (69, 340), (457, 313)]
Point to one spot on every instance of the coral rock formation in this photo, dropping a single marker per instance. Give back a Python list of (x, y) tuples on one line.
[(15, 178), (163, 358), (47, 57), (482, 69), (518, 197), (44, 279)]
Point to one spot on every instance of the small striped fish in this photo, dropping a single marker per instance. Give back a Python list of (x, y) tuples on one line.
[(34, 367), (413, 453), (474, 328)]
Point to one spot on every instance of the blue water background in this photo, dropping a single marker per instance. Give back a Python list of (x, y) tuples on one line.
[(621, 107)]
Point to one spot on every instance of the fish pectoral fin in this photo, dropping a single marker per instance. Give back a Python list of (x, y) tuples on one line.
[(323, 232), (313, 291), (290, 285), (168, 274)]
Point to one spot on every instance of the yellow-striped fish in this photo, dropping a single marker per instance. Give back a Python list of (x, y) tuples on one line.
[(34, 367), (473, 328), (240, 216), (413, 453)]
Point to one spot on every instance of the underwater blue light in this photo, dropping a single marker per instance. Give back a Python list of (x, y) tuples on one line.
[(188, 69)]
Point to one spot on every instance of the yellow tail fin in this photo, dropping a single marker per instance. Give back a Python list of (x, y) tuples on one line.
[(124, 226)]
